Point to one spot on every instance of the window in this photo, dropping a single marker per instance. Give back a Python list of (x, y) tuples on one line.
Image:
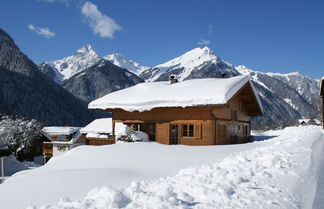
[(188, 130), (61, 138), (61, 148)]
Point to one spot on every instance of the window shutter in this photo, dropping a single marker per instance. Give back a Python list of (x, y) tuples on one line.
[(197, 129)]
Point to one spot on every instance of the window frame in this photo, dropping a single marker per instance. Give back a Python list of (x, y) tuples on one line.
[(188, 130)]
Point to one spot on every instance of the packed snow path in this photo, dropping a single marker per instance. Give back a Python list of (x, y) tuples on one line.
[(280, 172)]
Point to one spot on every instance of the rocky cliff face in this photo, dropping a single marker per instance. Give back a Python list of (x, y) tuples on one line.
[(99, 80)]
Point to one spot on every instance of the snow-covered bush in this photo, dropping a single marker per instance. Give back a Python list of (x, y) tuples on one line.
[(17, 134), (134, 136), (139, 136)]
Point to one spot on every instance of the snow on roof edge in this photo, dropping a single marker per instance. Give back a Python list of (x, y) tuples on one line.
[(59, 130), (257, 97)]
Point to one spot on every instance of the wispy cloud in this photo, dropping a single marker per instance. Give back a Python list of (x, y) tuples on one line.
[(44, 32), (66, 2), (203, 42), (210, 29), (99, 23)]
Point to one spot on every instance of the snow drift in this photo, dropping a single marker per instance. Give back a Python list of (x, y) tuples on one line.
[(281, 173)]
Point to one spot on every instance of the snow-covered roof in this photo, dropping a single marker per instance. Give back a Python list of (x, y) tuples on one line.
[(196, 92), (101, 128), (102, 125), (60, 130)]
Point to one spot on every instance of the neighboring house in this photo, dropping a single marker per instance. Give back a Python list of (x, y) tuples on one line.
[(192, 112), (61, 139), (322, 95), (304, 122)]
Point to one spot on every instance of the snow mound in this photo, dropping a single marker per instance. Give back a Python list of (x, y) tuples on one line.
[(139, 136), (280, 174)]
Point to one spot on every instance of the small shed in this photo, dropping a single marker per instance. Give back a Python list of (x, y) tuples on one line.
[(100, 131)]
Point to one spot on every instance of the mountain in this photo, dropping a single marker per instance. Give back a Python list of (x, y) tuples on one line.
[(286, 97), (88, 76), (121, 61), (27, 92), (65, 68), (85, 57), (99, 80), (197, 63)]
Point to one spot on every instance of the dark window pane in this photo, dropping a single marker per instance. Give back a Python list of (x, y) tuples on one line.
[(184, 130), (143, 127), (191, 130)]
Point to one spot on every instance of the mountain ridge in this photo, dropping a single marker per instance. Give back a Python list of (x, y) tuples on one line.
[(27, 92), (286, 97)]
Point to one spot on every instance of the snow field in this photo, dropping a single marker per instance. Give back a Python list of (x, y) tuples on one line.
[(280, 174)]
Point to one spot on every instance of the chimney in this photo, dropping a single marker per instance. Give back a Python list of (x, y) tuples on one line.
[(173, 79)]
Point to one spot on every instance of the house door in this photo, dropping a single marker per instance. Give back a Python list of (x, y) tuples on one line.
[(174, 134)]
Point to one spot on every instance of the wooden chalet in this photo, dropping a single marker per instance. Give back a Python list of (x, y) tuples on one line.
[(61, 139), (209, 111), (322, 95)]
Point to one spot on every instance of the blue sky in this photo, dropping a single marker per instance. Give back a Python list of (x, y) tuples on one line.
[(270, 36)]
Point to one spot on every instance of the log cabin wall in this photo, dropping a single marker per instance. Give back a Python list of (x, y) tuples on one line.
[(203, 132), (232, 123), (163, 114)]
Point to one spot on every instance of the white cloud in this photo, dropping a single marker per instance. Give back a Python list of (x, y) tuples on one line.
[(44, 32), (66, 2), (203, 42), (100, 23)]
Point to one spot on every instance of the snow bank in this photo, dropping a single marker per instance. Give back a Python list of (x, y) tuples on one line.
[(146, 96), (12, 165), (279, 174)]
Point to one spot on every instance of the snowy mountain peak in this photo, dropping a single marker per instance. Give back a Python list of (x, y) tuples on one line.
[(192, 64), (192, 58), (68, 66), (244, 70), (123, 62), (85, 50)]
